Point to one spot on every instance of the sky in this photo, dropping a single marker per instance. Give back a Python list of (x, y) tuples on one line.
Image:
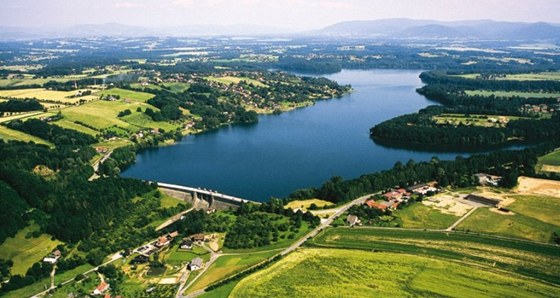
[(289, 14)]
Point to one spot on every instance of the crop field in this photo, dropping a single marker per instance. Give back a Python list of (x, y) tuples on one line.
[(517, 225), (25, 251), (350, 273), (536, 260), (420, 216), (305, 204), (128, 94), (10, 134), (507, 94), (44, 94), (228, 265), (235, 80), (474, 120)]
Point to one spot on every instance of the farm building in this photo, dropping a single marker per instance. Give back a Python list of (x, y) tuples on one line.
[(195, 264), (483, 200), (374, 204), (162, 241), (186, 244), (423, 188), (352, 220), (485, 179)]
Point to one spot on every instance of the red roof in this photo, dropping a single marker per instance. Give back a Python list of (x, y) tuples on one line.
[(102, 286), (374, 204)]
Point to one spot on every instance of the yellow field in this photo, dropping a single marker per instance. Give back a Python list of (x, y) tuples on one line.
[(304, 204), (44, 94)]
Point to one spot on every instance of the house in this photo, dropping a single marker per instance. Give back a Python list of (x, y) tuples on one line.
[(198, 237), (162, 241), (352, 220), (101, 288), (53, 257), (141, 259), (172, 235), (423, 188), (186, 244), (485, 179), (373, 204), (483, 200), (195, 264)]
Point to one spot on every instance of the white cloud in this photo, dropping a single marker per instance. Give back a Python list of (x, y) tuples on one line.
[(183, 3)]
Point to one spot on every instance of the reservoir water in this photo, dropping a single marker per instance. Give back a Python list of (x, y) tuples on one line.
[(298, 149)]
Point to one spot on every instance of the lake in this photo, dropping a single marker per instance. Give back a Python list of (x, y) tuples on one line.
[(297, 149)]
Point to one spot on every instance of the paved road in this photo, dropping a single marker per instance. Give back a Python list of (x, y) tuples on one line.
[(173, 219)]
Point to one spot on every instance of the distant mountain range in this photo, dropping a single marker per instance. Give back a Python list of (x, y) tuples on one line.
[(386, 29), (428, 29)]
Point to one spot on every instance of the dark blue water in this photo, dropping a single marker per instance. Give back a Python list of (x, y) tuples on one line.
[(297, 149)]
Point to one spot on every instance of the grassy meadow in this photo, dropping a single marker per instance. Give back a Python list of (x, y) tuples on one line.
[(235, 80), (350, 273), (305, 204), (15, 135)]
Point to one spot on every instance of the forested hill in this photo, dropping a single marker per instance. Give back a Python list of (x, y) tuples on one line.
[(478, 112)]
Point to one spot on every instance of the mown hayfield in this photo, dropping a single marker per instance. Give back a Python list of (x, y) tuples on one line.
[(351, 273), (420, 216), (235, 80), (518, 225), (228, 265), (128, 94), (44, 94), (143, 120), (26, 251), (15, 135), (305, 204), (507, 94), (542, 76), (531, 259), (176, 257)]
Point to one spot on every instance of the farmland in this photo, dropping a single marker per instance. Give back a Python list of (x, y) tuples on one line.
[(336, 273), (540, 76), (420, 216), (235, 80), (62, 97), (305, 204), (534, 260), (227, 265), (24, 250), (508, 94), (549, 162)]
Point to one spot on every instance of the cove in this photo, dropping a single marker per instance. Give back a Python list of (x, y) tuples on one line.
[(297, 149)]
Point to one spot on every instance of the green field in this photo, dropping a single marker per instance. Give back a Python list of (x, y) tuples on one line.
[(420, 216), (176, 257), (235, 80), (10, 134), (521, 224), (540, 261), (75, 126), (508, 94), (25, 251), (128, 94), (552, 158), (350, 273), (228, 265)]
